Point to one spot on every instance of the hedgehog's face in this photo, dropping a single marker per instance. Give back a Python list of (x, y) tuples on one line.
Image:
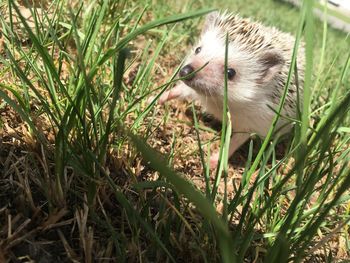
[(247, 73), (204, 68)]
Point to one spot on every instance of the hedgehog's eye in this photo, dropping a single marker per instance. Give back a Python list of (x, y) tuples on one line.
[(197, 50), (230, 73)]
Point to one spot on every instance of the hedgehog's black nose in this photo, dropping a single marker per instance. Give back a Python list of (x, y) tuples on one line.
[(185, 71)]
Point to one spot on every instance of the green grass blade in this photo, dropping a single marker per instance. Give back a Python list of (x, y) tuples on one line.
[(187, 189), (122, 43)]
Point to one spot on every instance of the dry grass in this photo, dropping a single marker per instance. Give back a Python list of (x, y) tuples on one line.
[(36, 225)]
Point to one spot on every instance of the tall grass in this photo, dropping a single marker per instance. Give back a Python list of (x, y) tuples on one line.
[(71, 74)]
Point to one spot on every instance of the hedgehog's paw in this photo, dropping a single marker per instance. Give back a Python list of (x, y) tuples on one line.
[(180, 91), (214, 160), (171, 94), (162, 99), (150, 99), (166, 96)]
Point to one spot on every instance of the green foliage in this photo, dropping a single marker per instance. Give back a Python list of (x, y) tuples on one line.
[(71, 73)]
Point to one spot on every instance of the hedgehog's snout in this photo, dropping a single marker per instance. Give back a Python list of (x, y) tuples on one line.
[(186, 72)]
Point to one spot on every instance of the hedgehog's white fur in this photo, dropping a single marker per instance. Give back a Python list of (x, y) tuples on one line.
[(261, 58)]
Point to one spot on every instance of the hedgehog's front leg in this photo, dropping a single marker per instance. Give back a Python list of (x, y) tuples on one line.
[(181, 91), (237, 139)]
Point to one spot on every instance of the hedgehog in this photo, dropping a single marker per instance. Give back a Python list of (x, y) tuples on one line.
[(258, 62)]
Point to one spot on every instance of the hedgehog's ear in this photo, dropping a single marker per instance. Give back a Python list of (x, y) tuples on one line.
[(272, 63), (209, 20)]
